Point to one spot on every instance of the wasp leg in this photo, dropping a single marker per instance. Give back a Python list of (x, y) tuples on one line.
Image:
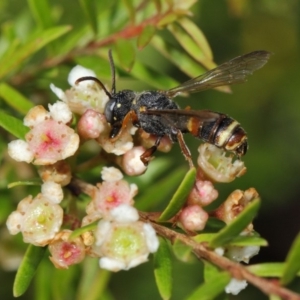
[(184, 149), (131, 116), (148, 154)]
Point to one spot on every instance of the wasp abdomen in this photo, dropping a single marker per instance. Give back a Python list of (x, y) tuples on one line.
[(224, 133)]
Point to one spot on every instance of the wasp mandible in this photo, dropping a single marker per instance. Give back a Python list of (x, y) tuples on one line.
[(156, 113)]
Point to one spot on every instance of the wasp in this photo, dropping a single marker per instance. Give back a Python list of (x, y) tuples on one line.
[(156, 113)]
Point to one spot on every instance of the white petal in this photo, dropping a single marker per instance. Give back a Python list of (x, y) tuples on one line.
[(151, 238), (58, 92), (36, 115), (80, 71), (220, 251), (137, 261), (60, 112), (235, 286), (19, 151), (111, 174), (14, 222), (72, 146), (101, 233), (52, 191), (124, 213), (111, 264)]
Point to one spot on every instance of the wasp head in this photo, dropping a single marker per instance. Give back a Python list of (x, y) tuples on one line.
[(117, 108)]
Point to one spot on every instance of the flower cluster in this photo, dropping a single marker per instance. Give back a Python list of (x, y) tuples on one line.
[(234, 205), (88, 100), (120, 240), (111, 229), (213, 166)]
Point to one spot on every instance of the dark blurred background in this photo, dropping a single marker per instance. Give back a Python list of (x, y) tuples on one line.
[(268, 108)]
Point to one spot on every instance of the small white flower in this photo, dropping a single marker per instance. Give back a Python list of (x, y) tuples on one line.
[(123, 242), (111, 174), (235, 286), (85, 95), (217, 166), (38, 220)]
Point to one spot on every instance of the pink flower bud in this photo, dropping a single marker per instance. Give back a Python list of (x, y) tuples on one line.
[(91, 124), (203, 193), (131, 162), (193, 218)]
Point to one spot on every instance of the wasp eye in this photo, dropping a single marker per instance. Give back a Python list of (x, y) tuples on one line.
[(109, 108)]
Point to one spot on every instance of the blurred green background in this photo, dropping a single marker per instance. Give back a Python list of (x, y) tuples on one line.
[(267, 106)]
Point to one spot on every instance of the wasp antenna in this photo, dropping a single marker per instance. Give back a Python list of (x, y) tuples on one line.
[(97, 81), (113, 72)]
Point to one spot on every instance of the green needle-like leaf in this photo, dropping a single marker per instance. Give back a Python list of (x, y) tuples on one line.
[(126, 53), (13, 125), (89, 7), (163, 270), (146, 36), (233, 229), (267, 269), (190, 46), (41, 12), (77, 232), (180, 195), (211, 288), (27, 269), (195, 32), (183, 61), (14, 98), (292, 266), (37, 42)]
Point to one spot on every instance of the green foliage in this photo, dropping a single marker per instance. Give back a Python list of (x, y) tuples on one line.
[(27, 269), (179, 197), (163, 270), (234, 228)]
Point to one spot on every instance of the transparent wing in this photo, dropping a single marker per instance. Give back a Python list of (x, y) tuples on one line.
[(231, 72)]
